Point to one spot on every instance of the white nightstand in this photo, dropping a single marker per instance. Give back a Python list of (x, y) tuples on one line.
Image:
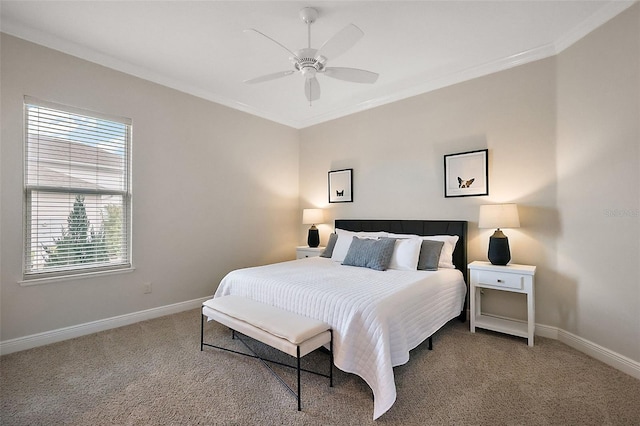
[(306, 251), (513, 278)]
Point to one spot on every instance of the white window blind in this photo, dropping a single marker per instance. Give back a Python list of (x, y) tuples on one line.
[(77, 191)]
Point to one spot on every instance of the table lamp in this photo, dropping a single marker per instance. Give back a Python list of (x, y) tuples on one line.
[(499, 216), (312, 217)]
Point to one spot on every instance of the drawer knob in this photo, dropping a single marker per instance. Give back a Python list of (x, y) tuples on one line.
[(500, 281)]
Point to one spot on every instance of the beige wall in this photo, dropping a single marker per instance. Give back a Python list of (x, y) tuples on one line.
[(598, 160), (397, 152), (213, 189), (563, 140)]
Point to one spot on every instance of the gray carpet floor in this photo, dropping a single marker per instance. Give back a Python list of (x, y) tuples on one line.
[(153, 373)]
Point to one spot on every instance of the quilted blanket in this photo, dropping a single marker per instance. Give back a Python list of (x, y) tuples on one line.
[(377, 316)]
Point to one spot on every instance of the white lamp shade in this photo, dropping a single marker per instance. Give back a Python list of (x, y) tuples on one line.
[(499, 216), (312, 216)]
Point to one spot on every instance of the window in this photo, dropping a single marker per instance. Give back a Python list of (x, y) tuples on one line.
[(77, 191)]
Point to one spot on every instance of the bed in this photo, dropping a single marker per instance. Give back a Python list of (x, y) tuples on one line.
[(377, 316)]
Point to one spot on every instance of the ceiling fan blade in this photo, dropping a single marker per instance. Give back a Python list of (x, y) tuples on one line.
[(351, 74), (275, 41), (269, 77), (340, 43), (312, 89)]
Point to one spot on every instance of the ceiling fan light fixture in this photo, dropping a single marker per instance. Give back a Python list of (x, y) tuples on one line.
[(308, 72)]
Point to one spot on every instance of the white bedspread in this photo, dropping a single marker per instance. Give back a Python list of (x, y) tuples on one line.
[(377, 317)]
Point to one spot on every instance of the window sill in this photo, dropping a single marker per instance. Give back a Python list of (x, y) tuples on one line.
[(47, 280)]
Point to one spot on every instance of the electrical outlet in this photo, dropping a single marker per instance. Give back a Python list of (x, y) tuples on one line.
[(147, 288)]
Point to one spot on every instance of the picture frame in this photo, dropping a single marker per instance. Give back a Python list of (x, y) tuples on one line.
[(466, 174), (341, 186)]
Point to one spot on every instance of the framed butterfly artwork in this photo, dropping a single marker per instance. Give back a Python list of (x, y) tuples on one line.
[(341, 186)]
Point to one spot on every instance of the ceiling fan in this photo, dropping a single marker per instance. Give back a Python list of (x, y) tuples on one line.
[(310, 62)]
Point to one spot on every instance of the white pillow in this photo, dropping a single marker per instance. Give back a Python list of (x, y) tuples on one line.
[(405, 254), (344, 242), (446, 255)]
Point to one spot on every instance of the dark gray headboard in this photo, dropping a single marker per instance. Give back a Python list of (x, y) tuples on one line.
[(416, 227)]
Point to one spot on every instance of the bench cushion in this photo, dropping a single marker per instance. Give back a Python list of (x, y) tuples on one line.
[(278, 322)]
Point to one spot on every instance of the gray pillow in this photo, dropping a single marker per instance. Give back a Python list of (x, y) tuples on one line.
[(429, 255), (368, 253), (328, 250)]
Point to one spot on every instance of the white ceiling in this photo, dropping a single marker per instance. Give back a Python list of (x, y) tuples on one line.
[(200, 47)]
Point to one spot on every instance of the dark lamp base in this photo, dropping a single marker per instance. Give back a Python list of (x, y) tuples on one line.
[(313, 240), (499, 253)]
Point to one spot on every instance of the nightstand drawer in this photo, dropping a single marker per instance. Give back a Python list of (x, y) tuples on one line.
[(500, 280), (303, 252)]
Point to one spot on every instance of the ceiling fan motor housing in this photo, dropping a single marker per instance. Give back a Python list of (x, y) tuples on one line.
[(307, 64)]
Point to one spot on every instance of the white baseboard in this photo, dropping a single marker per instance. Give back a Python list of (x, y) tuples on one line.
[(546, 331), (596, 351), (53, 336), (609, 357)]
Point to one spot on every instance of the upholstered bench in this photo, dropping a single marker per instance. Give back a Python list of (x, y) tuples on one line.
[(286, 331)]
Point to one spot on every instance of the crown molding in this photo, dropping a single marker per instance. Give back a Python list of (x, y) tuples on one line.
[(603, 15), (447, 78), (84, 53)]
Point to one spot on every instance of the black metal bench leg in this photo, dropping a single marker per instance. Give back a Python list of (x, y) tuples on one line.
[(201, 332), (298, 367), (331, 360), (430, 343), (299, 396)]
